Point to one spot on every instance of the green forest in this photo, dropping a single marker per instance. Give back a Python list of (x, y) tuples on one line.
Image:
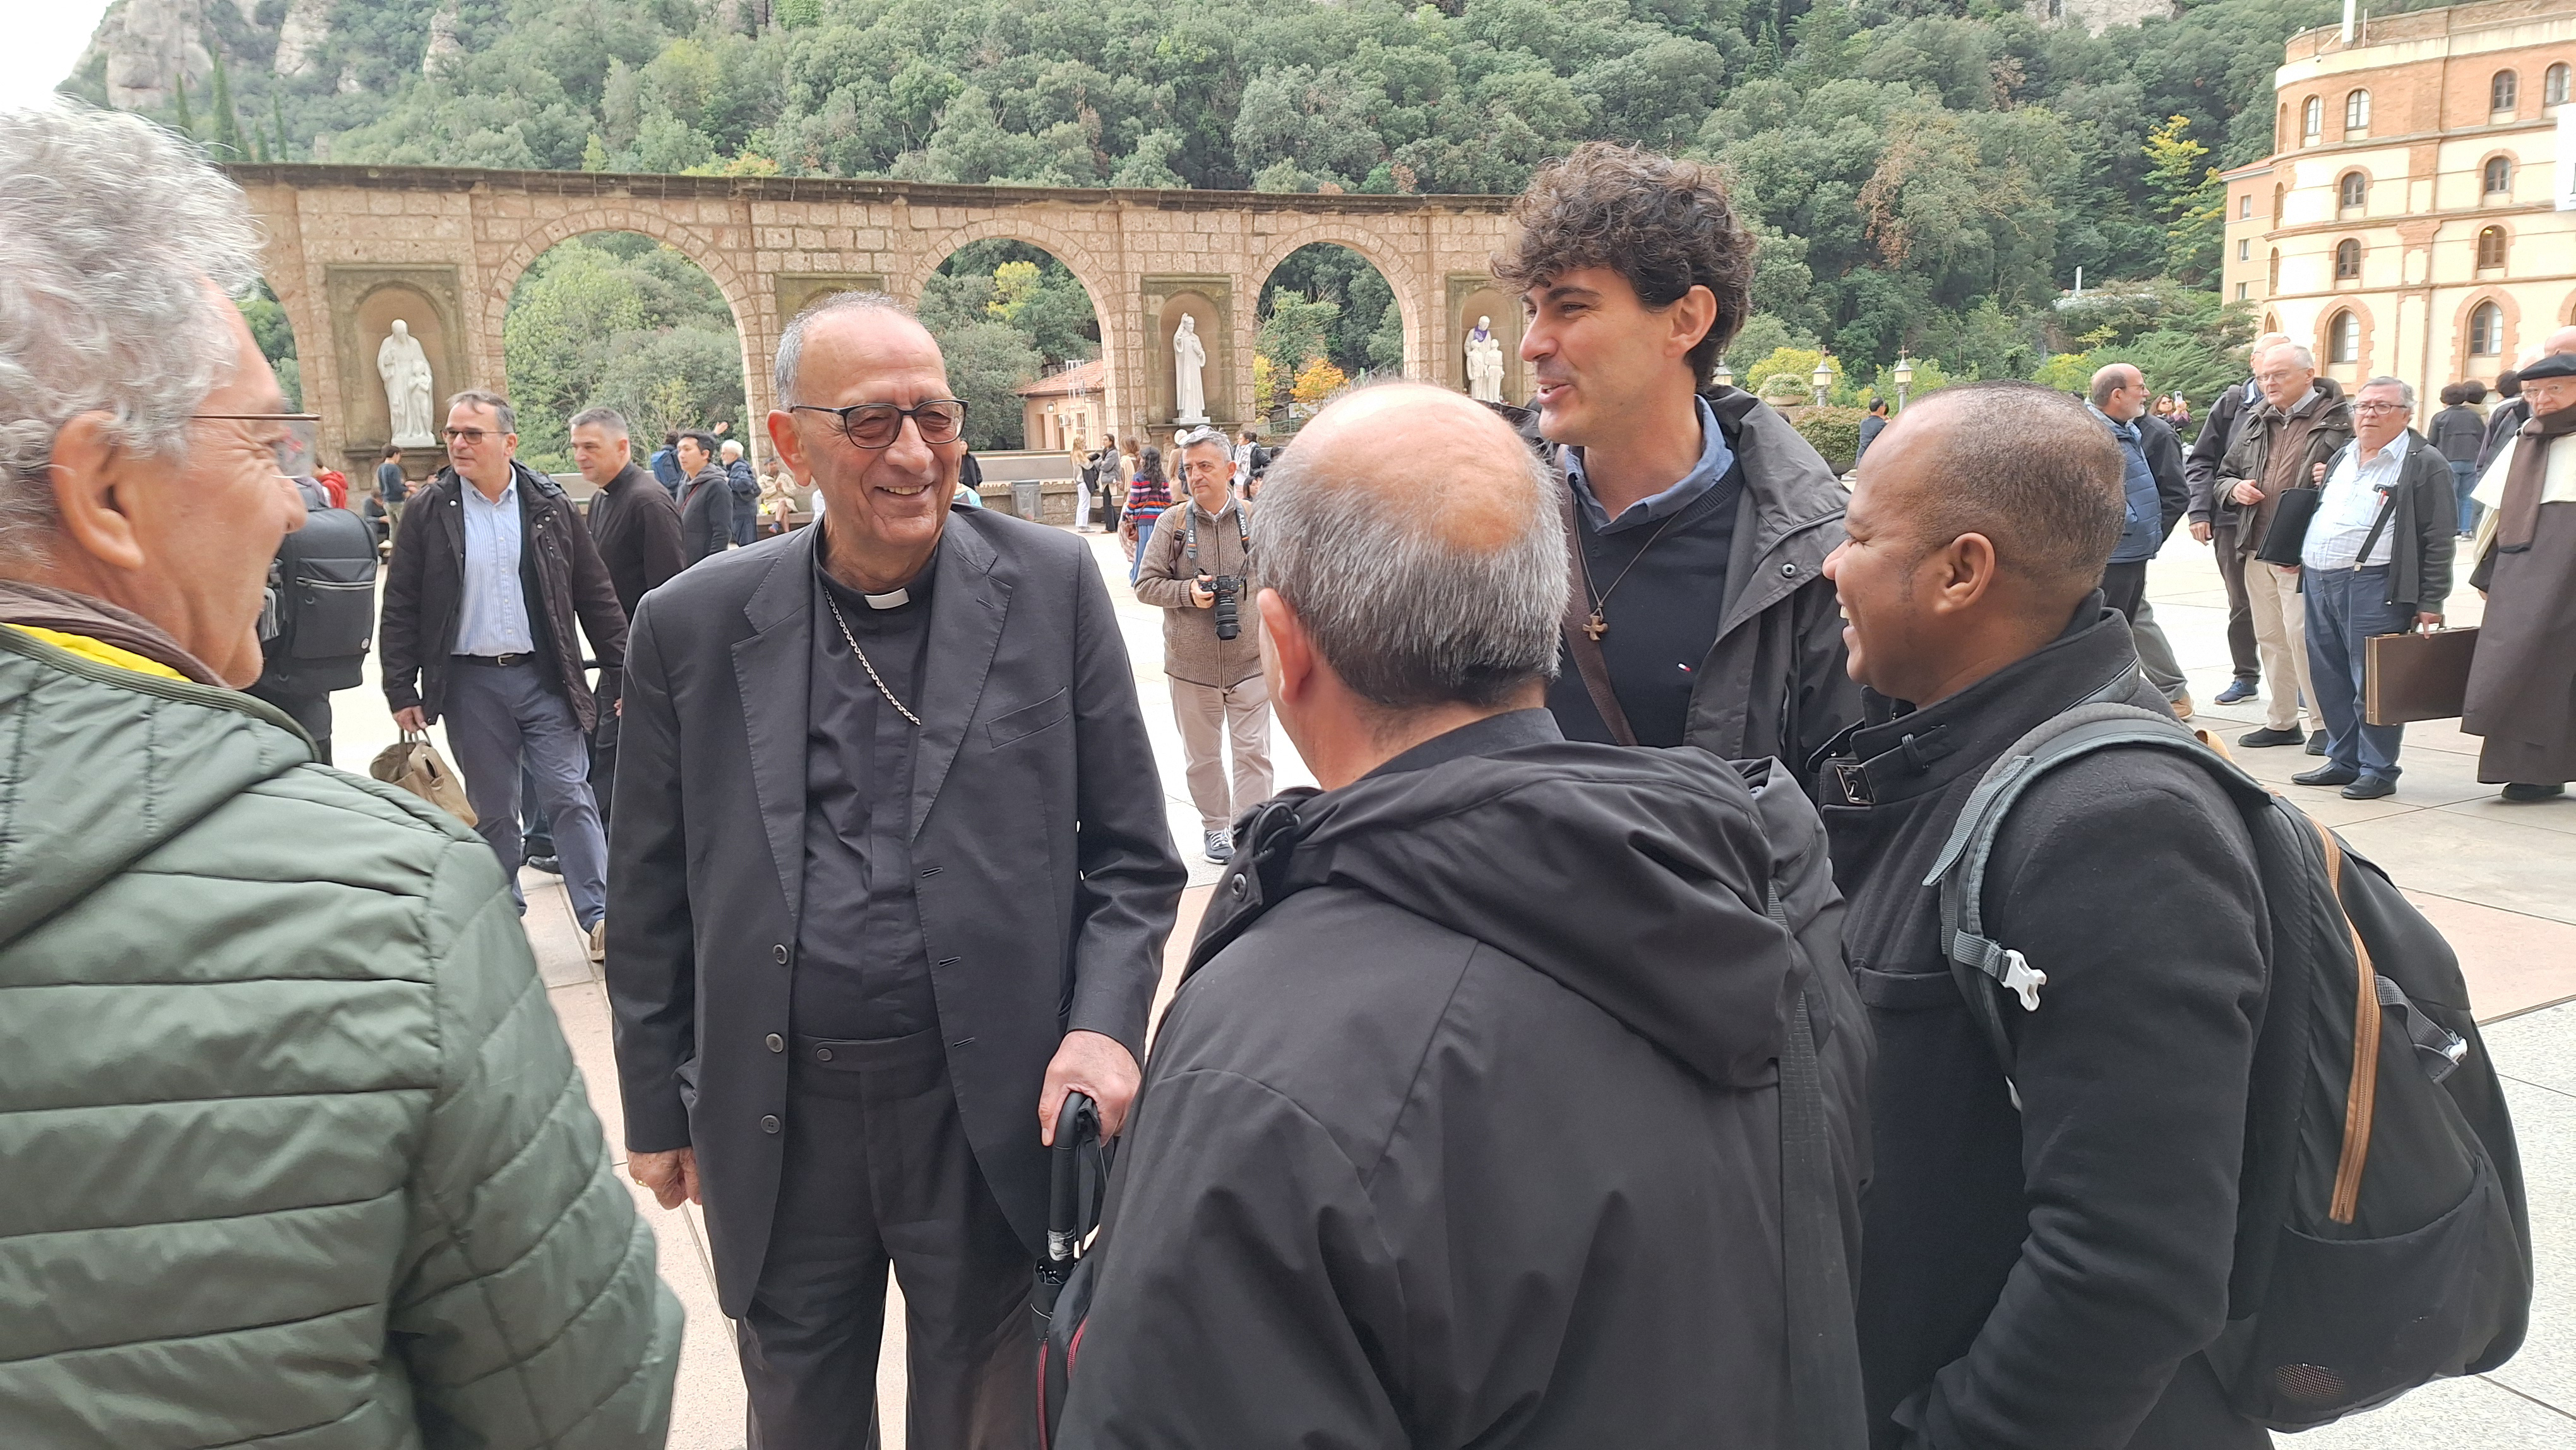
[(1928, 175)]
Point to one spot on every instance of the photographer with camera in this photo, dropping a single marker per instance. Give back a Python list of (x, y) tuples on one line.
[(1211, 646)]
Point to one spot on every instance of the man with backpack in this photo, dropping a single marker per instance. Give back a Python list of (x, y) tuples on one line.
[(2213, 1146), (2046, 1258), (1466, 1124), (322, 605)]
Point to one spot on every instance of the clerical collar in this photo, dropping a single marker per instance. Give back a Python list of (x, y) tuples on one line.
[(915, 593)]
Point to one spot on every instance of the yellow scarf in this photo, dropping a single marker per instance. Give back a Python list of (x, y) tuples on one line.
[(101, 651)]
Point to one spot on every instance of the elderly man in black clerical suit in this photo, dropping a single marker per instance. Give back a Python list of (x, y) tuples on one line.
[(883, 889)]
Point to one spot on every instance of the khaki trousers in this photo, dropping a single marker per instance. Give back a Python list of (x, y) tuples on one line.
[(2281, 638), (1240, 713)]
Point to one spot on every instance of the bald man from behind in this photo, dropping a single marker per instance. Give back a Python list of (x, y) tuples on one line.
[(1464, 1125)]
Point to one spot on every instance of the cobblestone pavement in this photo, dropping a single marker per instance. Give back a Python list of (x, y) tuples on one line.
[(2499, 880)]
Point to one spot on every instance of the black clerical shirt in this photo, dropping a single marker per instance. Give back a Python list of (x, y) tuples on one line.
[(862, 968)]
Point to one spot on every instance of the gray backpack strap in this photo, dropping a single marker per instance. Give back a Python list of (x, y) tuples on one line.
[(1980, 963)]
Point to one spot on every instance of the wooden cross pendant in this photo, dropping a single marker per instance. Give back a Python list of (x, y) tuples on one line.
[(1596, 626)]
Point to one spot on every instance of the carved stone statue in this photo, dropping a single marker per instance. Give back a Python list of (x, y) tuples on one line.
[(405, 369), (1189, 360), (1484, 363)]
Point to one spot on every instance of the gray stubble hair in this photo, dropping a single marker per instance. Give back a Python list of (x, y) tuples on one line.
[(1406, 617)]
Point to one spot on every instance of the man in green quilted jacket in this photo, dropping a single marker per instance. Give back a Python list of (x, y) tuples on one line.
[(296, 1154)]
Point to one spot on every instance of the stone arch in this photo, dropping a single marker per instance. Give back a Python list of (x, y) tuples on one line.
[(1123, 351), (703, 251), (1412, 297), (2461, 361)]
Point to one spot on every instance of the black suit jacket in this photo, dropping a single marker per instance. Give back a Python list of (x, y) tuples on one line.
[(1033, 928)]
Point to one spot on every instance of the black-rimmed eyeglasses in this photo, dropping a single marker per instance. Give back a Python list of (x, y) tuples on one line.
[(877, 425)]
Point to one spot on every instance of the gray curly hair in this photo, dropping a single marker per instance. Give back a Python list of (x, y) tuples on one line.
[(114, 228)]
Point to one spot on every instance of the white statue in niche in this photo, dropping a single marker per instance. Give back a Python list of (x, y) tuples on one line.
[(1189, 361), (405, 369), (1484, 363)]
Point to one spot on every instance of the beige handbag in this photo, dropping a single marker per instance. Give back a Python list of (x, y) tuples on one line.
[(415, 765)]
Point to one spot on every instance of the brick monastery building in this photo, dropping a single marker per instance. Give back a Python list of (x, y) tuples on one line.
[(2416, 217)]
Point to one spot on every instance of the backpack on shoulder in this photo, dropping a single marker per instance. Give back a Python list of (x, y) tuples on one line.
[(2382, 1239)]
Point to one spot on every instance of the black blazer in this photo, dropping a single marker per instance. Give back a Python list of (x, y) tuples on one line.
[(1033, 928)]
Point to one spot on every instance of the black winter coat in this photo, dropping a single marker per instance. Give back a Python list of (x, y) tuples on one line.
[(706, 514), (2217, 431), (1462, 1128), (2046, 1279), (559, 573)]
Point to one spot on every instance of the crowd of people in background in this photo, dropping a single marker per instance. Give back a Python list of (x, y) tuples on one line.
[(1530, 1078)]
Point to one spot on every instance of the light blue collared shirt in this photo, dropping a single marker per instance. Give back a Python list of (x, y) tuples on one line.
[(492, 618), (2355, 488), (1715, 459)]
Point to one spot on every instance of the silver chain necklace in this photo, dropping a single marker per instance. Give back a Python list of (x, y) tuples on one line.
[(879, 680)]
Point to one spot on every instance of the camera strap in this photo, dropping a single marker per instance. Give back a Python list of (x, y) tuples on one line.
[(1190, 539)]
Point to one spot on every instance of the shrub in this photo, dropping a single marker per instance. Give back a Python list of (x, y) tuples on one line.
[(1833, 432)]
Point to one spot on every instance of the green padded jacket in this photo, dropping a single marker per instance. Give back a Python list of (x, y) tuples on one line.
[(294, 1151)]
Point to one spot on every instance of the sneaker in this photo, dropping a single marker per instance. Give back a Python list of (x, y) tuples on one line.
[(1220, 846), (548, 864), (2327, 775), (2239, 691), (599, 942), (2370, 788), (2317, 743), (2521, 794), (2257, 739)]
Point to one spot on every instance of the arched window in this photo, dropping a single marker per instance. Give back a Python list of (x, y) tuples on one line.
[(2499, 175), (2353, 190), (2553, 85), (2280, 200), (2347, 260), (2356, 112), (2343, 338), (2503, 91), (2491, 247), (2486, 330), (2273, 279), (2312, 120), (2281, 130)]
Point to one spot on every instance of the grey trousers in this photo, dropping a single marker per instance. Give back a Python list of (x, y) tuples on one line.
[(1211, 717), (499, 718), (2155, 653), (877, 1170)]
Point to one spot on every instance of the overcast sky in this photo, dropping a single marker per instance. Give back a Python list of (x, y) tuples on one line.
[(48, 36)]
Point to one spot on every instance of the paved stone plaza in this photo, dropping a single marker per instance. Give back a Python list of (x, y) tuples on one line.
[(2499, 880)]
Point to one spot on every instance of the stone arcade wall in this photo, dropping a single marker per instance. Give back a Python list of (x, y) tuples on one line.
[(350, 248)]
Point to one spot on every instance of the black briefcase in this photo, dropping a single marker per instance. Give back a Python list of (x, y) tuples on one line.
[(2288, 534), (2417, 676)]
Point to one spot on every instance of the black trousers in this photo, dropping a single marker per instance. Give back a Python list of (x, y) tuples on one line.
[(2240, 610), (312, 711), (878, 1170), (2124, 585)]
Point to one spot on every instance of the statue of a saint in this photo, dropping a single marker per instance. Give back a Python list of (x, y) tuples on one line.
[(405, 369), (1189, 359), (1484, 363)]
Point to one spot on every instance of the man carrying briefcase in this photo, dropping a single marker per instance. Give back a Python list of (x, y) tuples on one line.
[(2377, 560)]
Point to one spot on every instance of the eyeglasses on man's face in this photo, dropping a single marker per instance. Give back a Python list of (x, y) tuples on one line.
[(2374, 406), (470, 436), (877, 425), (290, 438)]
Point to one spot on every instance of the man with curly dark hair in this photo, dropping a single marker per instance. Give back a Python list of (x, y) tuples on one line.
[(1699, 518)]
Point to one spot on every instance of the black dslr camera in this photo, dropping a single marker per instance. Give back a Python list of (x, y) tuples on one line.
[(1228, 589)]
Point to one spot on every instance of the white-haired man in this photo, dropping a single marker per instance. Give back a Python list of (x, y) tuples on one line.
[(2213, 525), (1194, 573), (292, 1156), (2303, 420), (1467, 1114)]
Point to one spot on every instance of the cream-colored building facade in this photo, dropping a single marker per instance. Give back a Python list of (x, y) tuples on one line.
[(2408, 221)]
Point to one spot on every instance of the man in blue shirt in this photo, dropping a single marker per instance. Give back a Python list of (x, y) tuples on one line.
[(480, 603), (666, 464)]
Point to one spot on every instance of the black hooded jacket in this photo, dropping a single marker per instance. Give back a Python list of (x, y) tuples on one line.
[(1463, 1128), (2044, 1278)]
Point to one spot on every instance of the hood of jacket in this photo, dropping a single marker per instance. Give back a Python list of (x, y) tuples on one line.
[(1793, 492), (1635, 878), (105, 764)]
